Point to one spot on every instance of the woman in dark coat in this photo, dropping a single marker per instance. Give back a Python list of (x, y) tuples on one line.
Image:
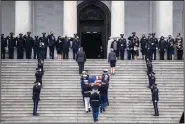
[(112, 60), (59, 47)]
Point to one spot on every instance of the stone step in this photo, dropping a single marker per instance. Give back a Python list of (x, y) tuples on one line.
[(81, 109), (89, 60), (125, 85), (75, 82), (90, 68), (77, 75), (128, 90), (45, 77), (166, 79), (92, 71)]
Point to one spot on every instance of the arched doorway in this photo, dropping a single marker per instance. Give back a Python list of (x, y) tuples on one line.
[(94, 27)]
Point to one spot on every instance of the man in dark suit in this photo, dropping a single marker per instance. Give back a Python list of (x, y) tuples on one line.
[(81, 59), (3, 46), (66, 45), (75, 45), (51, 44)]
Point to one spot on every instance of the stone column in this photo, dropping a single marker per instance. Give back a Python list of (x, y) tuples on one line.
[(23, 14), (117, 21), (70, 18), (164, 18)]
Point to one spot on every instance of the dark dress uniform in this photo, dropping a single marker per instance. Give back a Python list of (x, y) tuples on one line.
[(122, 47), (35, 47), (143, 42), (28, 45), (59, 45), (86, 96), (103, 96), (41, 51), (44, 39), (95, 103), (75, 46), (154, 45), (162, 47), (81, 59), (106, 80), (179, 49), (66, 45), (169, 48), (36, 98), (149, 67), (20, 46), (38, 75), (151, 79), (155, 99), (51, 44), (11, 44), (3, 46)]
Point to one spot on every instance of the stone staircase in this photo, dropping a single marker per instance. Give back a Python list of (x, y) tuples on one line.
[(61, 100)]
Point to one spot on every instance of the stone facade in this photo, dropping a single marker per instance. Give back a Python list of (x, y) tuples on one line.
[(48, 15)]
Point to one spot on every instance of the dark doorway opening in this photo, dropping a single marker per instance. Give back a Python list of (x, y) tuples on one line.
[(91, 42), (94, 16)]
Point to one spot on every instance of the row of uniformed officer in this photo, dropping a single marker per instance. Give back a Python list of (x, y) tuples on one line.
[(38, 85), (153, 86)]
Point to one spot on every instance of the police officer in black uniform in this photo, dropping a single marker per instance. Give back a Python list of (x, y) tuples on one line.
[(155, 99), (131, 38), (168, 44), (95, 103), (3, 46), (11, 44), (41, 50), (154, 45), (20, 46), (35, 47), (162, 47), (151, 79), (75, 45), (36, 97), (28, 45), (122, 46), (51, 44), (38, 75), (149, 67), (44, 40), (143, 43), (66, 45)]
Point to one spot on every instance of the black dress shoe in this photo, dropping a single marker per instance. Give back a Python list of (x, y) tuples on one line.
[(37, 114), (104, 110), (96, 119), (86, 111), (89, 110)]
